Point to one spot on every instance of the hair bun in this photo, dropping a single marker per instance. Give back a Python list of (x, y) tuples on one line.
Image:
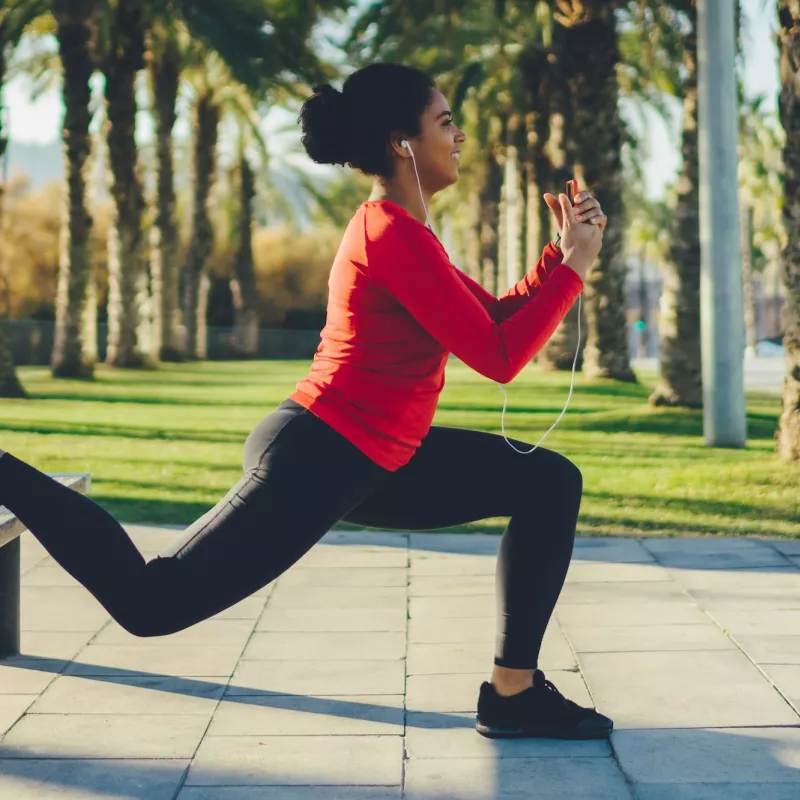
[(325, 125)]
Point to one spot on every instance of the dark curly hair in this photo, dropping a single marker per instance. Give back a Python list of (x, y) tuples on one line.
[(353, 126)]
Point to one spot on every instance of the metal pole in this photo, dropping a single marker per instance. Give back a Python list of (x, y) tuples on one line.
[(722, 316)]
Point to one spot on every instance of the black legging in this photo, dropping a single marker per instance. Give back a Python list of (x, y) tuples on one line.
[(302, 477)]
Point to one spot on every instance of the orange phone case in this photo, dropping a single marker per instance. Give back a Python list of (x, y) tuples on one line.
[(572, 190)]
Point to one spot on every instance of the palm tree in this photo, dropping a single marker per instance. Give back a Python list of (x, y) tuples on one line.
[(680, 366), (761, 144), (244, 337), (201, 241), (127, 253), (591, 56), (165, 62), (788, 436), (72, 23), (73, 353), (11, 27)]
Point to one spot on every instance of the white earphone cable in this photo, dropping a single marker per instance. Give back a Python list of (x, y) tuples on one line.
[(405, 144)]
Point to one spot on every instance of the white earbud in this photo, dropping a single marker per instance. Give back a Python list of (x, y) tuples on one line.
[(405, 144)]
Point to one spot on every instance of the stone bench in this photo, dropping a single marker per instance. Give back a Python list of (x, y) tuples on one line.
[(10, 565)]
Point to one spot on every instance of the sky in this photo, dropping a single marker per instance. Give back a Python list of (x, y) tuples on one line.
[(38, 122)]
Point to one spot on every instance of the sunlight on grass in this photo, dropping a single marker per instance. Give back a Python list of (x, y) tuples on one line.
[(165, 445)]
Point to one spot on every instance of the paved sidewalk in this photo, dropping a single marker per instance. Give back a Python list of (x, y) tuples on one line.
[(355, 675)]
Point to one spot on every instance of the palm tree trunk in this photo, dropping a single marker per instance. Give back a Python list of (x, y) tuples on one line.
[(127, 254), (748, 293), (491, 189), (165, 70), (592, 56), (244, 339), (554, 161), (73, 356), (10, 385), (9, 382), (202, 237), (512, 204), (788, 437), (680, 365)]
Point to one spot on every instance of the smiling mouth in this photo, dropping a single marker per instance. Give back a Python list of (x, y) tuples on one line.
[(456, 156)]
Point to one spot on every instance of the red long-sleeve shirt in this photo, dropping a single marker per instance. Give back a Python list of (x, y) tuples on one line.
[(397, 307)]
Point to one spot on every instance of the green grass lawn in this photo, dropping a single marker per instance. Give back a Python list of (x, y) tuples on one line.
[(163, 446)]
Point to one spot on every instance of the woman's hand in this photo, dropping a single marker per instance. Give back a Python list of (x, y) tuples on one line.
[(587, 209), (580, 242)]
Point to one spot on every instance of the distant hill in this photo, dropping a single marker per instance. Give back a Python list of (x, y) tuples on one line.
[(41, 163)]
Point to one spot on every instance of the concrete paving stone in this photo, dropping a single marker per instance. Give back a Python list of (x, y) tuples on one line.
[(789, 547), (249, 608), (336, 646), (341, 576), (771, 649), (762, 558), (459, 693), (359, 536), (104, 736), (323, 556), (431, 658), (332, 619), (452, 657), (734, 755), (289, 793), (718, 791), (787, 678), (677, 612), (306, 760), (181, 660), (291, 715), (598, 572), (774, 622), (705, 546), (120, 695), (30, 546), (745, 589), (690, 689), (53, 644), (482, 605), (338, 597), (624, 592), (465, 566), (26, 675), (457, 629), (654, 637), (462, 630), (454, 736), (29, 563), (90, 779), (153, 537), (317, 677), (45, 575), (454, 543), (451, 585), (208, 632), (621, 551), (12, 707), (60, 608), (515, 779)]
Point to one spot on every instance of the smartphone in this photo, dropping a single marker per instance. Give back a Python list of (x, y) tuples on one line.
[(572, 190)]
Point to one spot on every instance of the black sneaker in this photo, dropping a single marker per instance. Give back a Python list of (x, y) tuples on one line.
[(541, 711)]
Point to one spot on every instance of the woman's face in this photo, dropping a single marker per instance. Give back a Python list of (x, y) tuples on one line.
[(436, 149)]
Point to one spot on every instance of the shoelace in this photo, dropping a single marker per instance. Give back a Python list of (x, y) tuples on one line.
[(551, 687)]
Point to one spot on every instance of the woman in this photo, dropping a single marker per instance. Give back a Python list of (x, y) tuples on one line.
[(354, 442)]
